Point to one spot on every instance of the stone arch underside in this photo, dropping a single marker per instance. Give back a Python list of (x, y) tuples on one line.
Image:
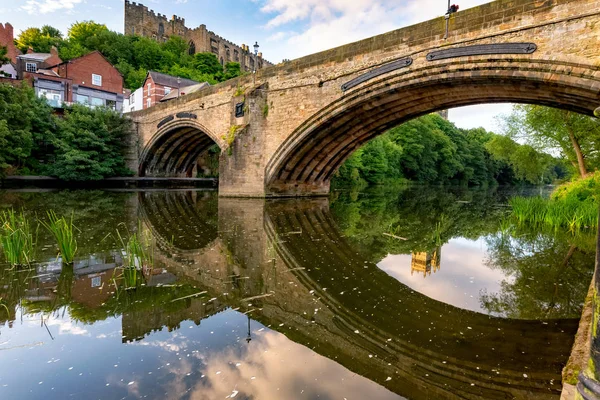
[(307, 160), (174, 151)]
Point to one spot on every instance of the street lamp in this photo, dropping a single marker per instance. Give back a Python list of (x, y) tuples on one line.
[(256, 46), (249, 337), (178, 86), (451, 10)]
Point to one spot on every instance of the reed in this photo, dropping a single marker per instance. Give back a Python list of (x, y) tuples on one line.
[(139, 258), (17, 238), (63, 231), (557, 212)]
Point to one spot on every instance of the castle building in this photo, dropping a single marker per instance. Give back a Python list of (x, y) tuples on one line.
[(425, 262), (143, 22)]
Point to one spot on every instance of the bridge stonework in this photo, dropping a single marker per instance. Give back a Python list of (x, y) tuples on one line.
[(303, 118)]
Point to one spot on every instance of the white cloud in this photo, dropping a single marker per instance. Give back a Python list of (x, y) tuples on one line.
[(48, 6), (323, 24)]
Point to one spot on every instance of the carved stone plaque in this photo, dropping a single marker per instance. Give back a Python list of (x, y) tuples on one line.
[(483, 49), (186, 115), (165, 121), (384, 69)]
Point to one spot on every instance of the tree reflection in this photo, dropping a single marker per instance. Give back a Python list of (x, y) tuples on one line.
[(549, 273)]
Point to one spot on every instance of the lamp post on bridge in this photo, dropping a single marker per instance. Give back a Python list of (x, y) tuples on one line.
[(178, 86), (451, 10)]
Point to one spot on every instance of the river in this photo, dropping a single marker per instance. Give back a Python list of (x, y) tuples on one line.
[(416, 293)]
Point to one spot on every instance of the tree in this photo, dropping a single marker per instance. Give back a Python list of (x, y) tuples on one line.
[(232, 70), (82, 32), (575, 136), (207, 63), (40, 40), (90, 145), (24, 119)]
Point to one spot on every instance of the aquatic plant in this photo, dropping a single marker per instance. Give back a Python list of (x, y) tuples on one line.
[(16, 238), (139, 257), (557, 213), (63, 231)]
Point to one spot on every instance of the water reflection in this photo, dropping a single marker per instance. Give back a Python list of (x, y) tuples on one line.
[(243, 289)]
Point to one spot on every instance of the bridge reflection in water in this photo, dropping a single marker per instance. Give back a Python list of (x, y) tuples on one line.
[(285, 262)]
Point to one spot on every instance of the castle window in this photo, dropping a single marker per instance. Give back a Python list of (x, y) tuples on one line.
[(227, 54), (192, 49), (221, 60), (133, 30), (161, 30), (236, 55)]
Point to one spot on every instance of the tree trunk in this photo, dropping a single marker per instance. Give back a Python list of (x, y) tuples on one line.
[(577, 148)]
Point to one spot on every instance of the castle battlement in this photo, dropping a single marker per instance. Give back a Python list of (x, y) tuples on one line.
[(139, 20)]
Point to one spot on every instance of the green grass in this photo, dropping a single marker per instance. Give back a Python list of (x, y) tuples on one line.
[(16, 238), (557, 213), (63, 231)]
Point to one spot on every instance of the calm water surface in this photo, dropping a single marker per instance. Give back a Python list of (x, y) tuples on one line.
[(418, 294)]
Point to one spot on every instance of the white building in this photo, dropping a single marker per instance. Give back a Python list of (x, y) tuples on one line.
[(134, 102)]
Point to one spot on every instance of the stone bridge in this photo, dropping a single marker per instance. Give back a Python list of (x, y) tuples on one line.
[(287, 129)]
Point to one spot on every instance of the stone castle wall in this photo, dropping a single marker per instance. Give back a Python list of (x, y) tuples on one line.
[(139, 20)]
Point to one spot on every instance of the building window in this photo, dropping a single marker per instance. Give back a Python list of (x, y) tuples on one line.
[(96, 281), (97, 102), (31, 67), (236, 55), (149, 87), (167, 90), (96, 80), (192, 49), (85, 100), (161, 30), (53, 97), (132, 98), (148, 103), (111, 104)]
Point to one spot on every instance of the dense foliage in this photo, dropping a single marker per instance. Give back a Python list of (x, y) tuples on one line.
[(84, 144), (574, 136), (133, 56), (432, 150)]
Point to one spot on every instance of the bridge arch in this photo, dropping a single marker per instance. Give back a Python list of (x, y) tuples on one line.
[(306, 161), (175, 148)]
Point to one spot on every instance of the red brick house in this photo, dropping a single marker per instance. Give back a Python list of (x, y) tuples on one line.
[(7, 40), (93, 81), (156, 86)]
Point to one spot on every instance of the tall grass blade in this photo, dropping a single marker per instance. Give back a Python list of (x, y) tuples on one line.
[(16, 238), (63, 231)]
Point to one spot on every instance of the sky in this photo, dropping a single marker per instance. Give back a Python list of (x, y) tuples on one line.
[(284, 29)]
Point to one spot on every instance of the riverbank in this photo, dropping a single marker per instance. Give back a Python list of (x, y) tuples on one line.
[(19, 182)]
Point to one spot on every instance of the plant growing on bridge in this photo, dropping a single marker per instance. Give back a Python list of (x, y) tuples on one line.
[(230, 137), (17, 238), (63, 231), (265, 110)]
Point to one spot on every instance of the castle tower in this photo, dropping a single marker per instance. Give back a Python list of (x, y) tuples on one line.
[(141, 21)]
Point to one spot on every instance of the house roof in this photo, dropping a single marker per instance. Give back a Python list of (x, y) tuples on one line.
[(35, 56), (185, 90), (168, 80)]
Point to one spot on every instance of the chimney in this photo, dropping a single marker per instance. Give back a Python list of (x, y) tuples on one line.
[(9, 31), (30, 50), (54, 51)]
